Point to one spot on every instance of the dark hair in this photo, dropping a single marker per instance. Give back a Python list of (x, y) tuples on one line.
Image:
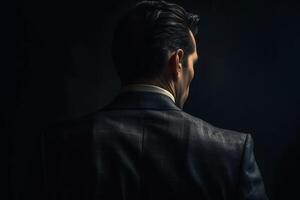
[(146, 34)]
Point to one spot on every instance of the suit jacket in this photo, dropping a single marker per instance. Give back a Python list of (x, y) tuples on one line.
[(142, 146)]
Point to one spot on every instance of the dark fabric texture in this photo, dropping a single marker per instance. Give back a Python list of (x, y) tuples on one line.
[(143, 147)]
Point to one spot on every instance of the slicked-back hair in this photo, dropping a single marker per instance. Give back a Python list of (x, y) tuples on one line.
[(145, 36)]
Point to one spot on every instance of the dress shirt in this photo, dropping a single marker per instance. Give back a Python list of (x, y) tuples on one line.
[(147, 88)]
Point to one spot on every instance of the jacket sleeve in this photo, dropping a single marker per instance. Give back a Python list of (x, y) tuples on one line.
[(251, 185)]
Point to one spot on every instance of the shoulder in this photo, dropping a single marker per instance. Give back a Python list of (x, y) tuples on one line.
[(223, 139)]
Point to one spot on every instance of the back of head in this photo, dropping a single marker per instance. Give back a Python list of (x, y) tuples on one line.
[(146, 35)]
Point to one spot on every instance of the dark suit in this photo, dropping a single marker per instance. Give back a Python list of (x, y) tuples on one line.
[(142, 146)]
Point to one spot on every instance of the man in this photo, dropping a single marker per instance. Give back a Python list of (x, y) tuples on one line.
[(142, 145)]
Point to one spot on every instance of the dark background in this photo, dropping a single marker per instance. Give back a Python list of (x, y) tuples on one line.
[(246, 79)]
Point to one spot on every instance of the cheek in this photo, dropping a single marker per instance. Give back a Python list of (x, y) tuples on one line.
[(191, 71)]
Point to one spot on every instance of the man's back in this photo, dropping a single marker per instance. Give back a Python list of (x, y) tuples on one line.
[(142, 146)]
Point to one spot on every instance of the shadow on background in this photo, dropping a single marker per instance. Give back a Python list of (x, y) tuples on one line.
[(246, 79)]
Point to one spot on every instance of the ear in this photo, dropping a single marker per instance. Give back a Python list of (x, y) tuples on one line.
[(175, 63), (179, 58)]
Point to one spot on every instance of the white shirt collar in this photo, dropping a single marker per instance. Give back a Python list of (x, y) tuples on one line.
[(147, 88)]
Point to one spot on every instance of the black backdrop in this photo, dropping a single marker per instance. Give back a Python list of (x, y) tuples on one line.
[(246, 79)]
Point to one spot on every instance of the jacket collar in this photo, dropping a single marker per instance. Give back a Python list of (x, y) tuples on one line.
[(141, 100)]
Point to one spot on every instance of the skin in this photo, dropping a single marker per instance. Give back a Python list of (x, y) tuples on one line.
[(176, 78), (183, 75)]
